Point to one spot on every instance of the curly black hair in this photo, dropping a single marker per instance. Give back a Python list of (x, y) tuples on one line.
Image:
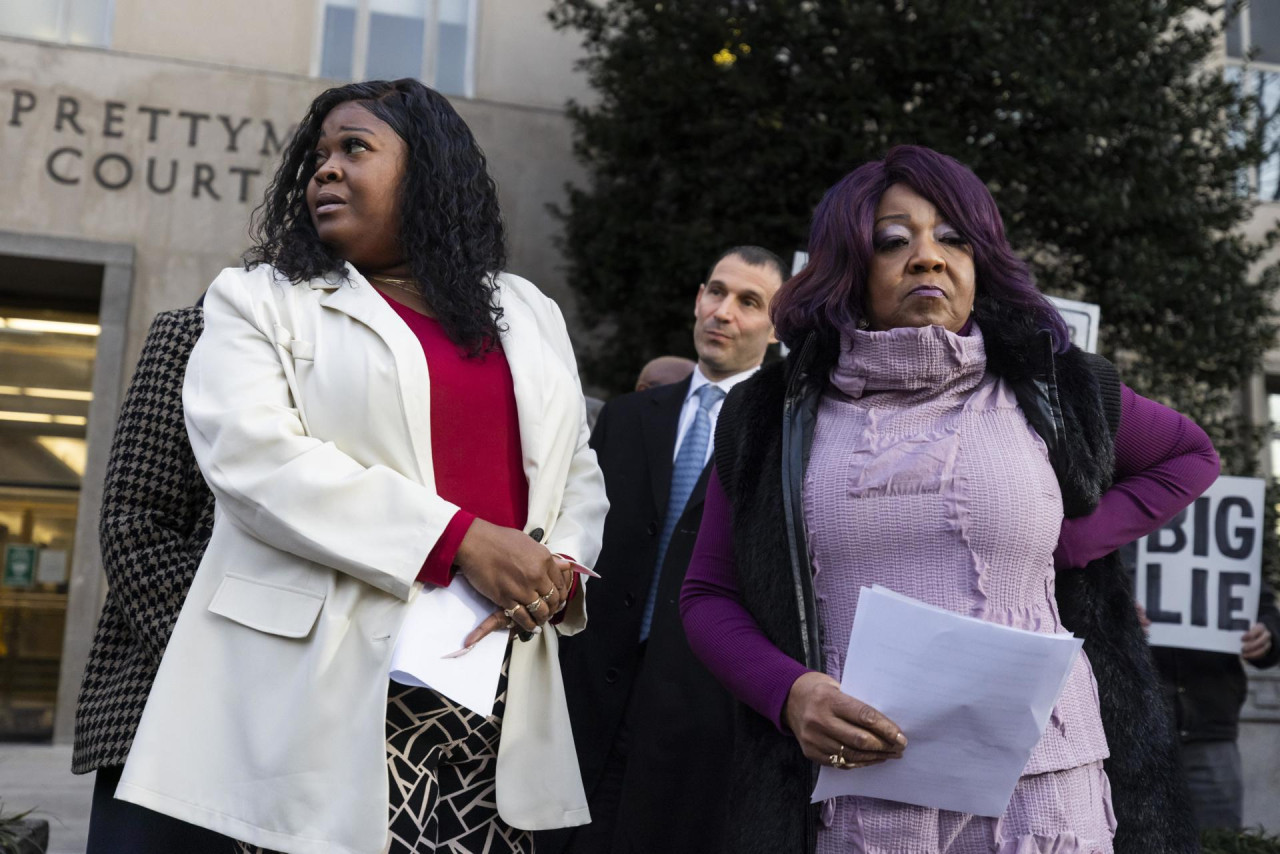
[(451, 228)]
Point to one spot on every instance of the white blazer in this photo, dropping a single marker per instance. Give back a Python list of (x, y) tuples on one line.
[(308, 407)]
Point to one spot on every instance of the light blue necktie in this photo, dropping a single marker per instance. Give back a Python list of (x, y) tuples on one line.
[(688, 468)]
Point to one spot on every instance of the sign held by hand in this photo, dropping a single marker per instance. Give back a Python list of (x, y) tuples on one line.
[(1199, 577)]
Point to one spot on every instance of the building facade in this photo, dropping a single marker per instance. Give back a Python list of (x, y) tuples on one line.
[(140, 135)]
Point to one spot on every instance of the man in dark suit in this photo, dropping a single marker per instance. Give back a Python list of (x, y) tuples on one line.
[(653, 728)]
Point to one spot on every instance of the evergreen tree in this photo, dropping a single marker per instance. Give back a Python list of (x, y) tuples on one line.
[(1110, 139)]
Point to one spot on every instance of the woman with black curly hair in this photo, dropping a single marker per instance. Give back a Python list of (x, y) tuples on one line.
[(389, 426)]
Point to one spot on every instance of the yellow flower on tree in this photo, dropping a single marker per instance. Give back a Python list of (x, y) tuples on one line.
[(724, 58)]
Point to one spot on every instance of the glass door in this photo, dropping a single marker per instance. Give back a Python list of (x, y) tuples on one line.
[(46, 373)]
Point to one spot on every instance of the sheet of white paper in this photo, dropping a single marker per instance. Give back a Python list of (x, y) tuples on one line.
[(972, 697), (438, 621)]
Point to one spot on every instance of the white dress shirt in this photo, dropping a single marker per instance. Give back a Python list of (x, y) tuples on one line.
[(690, 409)]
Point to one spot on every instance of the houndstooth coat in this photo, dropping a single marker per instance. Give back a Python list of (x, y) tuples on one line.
[(157, 515)]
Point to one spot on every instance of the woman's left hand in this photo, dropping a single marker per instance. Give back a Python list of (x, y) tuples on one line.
[(829, 723), (514, 572), (499, 620)]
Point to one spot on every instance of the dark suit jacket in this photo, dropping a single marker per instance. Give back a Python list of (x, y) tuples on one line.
[(680, 726)]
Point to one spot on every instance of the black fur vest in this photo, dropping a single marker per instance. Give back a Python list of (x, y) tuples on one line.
[(1073, 401)]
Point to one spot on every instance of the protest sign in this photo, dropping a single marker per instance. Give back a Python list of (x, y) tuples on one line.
[(1083, 319), (1199, 577), (798, 260)]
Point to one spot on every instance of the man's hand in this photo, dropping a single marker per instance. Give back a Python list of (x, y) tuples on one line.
[(1143, 619), (1256, 642)]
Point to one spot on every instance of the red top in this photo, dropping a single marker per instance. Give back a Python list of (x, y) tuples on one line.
[(475, 440)]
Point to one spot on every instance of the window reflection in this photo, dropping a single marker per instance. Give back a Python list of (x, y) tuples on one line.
[(1263, 88), (1235, 39), (73, 21), (88, 22), (452, 45), (425, 39), (337, 50), (1264, 30), (46, 380), (32, 20), (396, 30), (1266, 87)]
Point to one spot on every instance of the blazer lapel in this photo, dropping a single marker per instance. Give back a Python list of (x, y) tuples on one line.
[(522, 344), (359, 300), (660, 423)]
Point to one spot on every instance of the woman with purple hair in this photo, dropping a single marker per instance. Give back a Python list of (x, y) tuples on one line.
[(935, 432)]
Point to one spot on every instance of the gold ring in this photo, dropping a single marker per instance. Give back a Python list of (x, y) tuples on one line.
[(533, 605), (836, 760), (510, 612), (546, 597)]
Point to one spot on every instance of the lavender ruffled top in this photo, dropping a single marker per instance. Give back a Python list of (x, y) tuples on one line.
[(925, 477)]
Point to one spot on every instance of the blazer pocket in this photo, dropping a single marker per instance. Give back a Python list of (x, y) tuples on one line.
[(289, 612)]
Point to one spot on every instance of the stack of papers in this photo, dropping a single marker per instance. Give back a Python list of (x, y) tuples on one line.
[(972, 698), (438, 621)]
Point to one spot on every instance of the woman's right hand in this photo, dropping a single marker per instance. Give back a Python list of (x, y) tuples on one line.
[(510, 568), (828, 722)]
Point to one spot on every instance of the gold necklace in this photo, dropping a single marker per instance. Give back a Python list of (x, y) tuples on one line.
[(409, 286), (394, 279)]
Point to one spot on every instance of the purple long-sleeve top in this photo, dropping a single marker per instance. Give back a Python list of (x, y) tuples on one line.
[(1163, 462)]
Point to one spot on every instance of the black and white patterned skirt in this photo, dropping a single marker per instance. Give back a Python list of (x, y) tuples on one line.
[(441, 762)]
